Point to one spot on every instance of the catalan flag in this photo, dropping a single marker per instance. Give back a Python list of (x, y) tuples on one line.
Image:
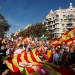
[(39, 68)]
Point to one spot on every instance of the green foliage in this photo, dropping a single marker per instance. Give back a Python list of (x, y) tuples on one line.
[(50, 36), (12, 34), (35, 30), (4, 26)]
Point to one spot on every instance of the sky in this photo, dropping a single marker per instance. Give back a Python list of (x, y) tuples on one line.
[(20, 13)]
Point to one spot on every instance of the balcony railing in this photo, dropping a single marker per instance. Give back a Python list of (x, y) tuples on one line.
[(70, 17), (69, 26)]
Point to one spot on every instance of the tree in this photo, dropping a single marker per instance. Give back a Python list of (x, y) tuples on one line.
[(12, 34), (21, 33), (35, 30), (40, 29), (4, 26)]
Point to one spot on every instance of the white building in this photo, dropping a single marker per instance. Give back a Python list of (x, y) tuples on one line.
[(60, 20), (27, 26)]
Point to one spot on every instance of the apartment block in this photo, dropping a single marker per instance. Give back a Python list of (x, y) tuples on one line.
[(60, 21)]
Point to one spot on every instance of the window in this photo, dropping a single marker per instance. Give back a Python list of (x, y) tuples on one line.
[(62, 25), (69, 20), (69, 25), (56, 20), (56, 30), (61, 20), (67, 16), (49, 22), (64, 16), (52, 22), (74, 20), (63, 29), (50, 18), (56, 35), (65, 20), (56, 25), (53, 26), (57, 16), (53, 17), (71, 15)]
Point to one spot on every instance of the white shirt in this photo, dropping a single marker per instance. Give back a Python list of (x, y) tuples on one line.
[(18, 51)]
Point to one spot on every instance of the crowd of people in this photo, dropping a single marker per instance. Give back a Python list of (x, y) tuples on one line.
[(62, 55)]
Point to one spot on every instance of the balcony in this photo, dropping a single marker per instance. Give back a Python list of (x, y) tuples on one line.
[(56, 31), (46, 25), (70, 17), (69, 26), (49, 28), (52, 28), (70, 21)]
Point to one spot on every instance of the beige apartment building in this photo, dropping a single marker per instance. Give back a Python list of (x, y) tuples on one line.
[(59, 21)]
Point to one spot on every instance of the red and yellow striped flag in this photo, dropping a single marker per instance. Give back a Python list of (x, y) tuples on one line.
[(56, 42), (39, 68)]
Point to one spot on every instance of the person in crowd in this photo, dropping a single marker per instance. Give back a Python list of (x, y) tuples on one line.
[(62, 45), (0, 42), (66, 49), (10, 48), (3, 67), (64, 60), (19, 50), (56, 56), (60, 54), (28, 48), (3, 50), (73, 57), (25, 48)]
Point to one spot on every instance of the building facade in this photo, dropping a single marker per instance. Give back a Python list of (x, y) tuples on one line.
[(60, 21)]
